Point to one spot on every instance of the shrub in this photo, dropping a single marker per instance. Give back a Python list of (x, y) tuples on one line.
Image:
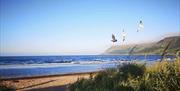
[(134, 70), (165, 76), (161, 76)]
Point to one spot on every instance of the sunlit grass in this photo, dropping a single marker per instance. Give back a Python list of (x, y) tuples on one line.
[(161, 76)]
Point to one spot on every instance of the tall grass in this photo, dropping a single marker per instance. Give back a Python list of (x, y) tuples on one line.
[(161, 76)]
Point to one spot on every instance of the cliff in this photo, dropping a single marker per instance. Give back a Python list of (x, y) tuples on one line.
[(146, 48)]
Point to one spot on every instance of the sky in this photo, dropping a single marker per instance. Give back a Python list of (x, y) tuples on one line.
[(82, 27)]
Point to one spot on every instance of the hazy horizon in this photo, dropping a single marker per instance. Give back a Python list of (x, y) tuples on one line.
[(82, 27)]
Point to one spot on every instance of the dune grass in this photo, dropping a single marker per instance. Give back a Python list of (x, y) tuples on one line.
[(161, 76)]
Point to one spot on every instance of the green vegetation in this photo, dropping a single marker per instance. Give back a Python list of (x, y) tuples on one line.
[(162, 76)]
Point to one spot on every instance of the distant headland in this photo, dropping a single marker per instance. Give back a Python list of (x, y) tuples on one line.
[(147, 48)]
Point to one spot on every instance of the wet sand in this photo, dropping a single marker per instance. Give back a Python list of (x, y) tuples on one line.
[(46, 83)]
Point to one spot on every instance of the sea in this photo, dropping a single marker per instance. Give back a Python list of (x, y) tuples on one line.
[(32, 66)]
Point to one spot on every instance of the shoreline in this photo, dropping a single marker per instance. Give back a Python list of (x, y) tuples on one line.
[(46, 83), (45, 76)]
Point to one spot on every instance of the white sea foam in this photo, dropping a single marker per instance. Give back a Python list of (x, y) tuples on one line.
[(73, 63), (48, 65), (45, 65)]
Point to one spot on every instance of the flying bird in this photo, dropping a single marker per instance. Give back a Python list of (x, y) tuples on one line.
[(124, 35), (140, 26), (113, 38)]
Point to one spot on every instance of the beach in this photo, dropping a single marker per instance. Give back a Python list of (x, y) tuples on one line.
[(46, 83)]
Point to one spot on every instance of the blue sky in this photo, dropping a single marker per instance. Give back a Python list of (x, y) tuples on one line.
[(74, 27)]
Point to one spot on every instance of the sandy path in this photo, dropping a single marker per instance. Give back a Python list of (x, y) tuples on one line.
[(54, 83)]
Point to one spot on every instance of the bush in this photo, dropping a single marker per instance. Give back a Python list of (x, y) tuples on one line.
[(133, 70), (161, 76), (165, 76)]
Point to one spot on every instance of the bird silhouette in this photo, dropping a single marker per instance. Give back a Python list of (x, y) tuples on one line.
[(113, 38)]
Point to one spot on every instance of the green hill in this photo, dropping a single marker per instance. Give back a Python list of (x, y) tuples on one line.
[(147, 48)]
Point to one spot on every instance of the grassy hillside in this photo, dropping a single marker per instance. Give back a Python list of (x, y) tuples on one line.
[(147, 48)]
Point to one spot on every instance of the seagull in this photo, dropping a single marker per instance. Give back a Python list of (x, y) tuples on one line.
[(113, 38), (124, 35), (140, 26)]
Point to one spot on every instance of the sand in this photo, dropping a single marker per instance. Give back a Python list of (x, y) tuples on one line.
[(46, 83)]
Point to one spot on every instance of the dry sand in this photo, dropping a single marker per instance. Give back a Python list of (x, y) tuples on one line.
[(48, 83)]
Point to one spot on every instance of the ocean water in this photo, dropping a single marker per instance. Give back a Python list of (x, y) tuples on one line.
[(27, 66)]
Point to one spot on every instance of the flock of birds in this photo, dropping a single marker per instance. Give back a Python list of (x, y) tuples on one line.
[(140, 27)]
